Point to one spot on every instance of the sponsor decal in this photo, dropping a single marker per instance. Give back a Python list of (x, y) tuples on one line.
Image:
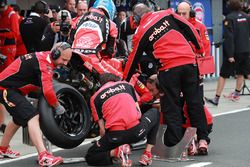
[(84, 42), (157, 30), (140, 84), (92, 17), (112, 91), (241, 20)]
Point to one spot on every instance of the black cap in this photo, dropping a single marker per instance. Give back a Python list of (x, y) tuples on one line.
[(3, 3), (55, 8)]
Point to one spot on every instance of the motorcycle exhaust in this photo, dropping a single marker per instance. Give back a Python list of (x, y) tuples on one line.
[(83, 78), (56, 75)]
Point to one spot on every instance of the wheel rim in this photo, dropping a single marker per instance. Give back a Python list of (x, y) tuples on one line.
[(72, 121)]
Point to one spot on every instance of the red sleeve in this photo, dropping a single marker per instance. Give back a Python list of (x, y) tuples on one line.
[(47, 82), (205, 40), (110, 48), (142, 90)]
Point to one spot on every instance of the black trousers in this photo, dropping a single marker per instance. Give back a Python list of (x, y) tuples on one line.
[(174, 81), (148, 126)]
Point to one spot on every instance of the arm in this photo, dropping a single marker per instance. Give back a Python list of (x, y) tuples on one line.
[(228, 38), (142, 90), (111, 43), (134, 56), (205, 40), (48, 38), (46, 82), (102, 127)]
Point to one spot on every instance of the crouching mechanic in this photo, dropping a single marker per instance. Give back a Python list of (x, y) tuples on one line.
[(28, 73), (115, 108)]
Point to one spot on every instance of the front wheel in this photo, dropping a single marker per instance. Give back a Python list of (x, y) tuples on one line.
[(71, 128)]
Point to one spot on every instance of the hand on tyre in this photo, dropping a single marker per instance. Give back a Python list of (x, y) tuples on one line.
[(59, 110)]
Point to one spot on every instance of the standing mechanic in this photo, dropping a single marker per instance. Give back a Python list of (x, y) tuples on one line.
[(177, 68), (115, 103), (27, 73), (236, 46)]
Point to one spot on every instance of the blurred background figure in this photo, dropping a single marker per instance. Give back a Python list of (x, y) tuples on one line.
[(20, 47), (82, 8), (57, 31), (33, 26), (70, 5), (9, 31), (236, 47), (54, 9)]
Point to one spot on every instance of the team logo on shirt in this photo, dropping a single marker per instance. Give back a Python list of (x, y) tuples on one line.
[(158, 30), (112, 91)]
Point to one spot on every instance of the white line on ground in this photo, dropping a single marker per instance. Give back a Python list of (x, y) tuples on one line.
[(231, 112), (201, 164), (87, 141)]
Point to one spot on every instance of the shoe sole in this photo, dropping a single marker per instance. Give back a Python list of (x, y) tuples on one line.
[(54, 164), (11, 157), (202, 151), (210, 101), (143, 163), (126, 162)]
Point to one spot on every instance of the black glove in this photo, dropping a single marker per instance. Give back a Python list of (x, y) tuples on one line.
[(59, 110)]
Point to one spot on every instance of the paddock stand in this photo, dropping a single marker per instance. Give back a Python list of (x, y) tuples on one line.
[(243, 89), (176, 153)]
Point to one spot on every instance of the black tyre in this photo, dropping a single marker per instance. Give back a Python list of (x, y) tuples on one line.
[(69, 129)]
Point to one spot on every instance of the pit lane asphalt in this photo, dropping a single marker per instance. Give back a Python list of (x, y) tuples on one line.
[(230, 144)]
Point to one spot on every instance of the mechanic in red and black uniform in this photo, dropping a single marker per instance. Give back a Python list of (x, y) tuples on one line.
[(166, 36), (9, 31), (115, 104), (28, 73)]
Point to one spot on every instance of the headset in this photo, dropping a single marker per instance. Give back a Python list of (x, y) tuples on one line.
[(41, 7), (191, 13), (56, 53), (137, 19)]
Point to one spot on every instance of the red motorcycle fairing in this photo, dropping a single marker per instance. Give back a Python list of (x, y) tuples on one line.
[(103, 65)]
